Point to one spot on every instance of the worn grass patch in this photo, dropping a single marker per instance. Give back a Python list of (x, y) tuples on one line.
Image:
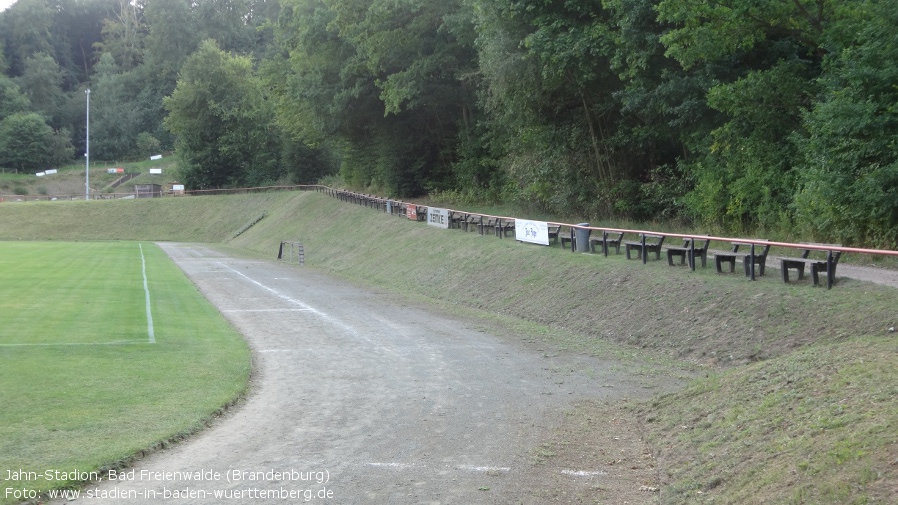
[(81, 385)]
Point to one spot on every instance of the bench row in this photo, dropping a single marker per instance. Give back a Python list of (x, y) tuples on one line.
[(753, 256)]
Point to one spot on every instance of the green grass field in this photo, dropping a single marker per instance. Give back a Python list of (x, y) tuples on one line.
[(83, 384)]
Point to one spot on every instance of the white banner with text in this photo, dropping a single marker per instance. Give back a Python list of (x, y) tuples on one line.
[(535, 232), (438, 217)]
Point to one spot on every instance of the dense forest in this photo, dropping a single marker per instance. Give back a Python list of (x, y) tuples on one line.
[(736, 115)]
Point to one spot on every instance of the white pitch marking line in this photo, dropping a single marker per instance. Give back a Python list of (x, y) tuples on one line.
[(267, 310), (146, 290), (307, 307), (398, 466), (581, 473), (284, 350), (484, 469)]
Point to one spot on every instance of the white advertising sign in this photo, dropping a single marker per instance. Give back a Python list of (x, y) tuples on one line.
[(155, 170), (177, 187), (156, 157), (50, 172), (438, 217), (535, 232), (40, 174)]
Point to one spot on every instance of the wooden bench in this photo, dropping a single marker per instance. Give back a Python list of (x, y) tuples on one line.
[(483, 225), (687, 252), (455, 220), (652, 243), (554, 232), (470, 222), (816, 265), (607, 239), (760, 258), (503, 227)]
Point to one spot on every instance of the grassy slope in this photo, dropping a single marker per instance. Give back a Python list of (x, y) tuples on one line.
[(725, 323)]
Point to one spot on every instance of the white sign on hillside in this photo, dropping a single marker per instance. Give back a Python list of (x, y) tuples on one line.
[(156, 171), (438, 217), (535, 232), (156, 157)]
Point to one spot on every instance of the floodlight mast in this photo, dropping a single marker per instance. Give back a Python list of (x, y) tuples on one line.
[(87, 150)]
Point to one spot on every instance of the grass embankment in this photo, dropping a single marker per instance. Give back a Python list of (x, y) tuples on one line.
[(735, 329), (68, 182), (83, 386)]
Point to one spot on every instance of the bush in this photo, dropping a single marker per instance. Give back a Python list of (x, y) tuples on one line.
[(20, 190)]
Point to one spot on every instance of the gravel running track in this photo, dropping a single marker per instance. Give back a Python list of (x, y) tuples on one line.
[(387, 402)]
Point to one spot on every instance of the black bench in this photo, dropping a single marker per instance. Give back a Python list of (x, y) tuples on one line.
[(554, 232), (567, 239), (760, 258), (651, 243), (687, 252), (607, 239), (827, 265)]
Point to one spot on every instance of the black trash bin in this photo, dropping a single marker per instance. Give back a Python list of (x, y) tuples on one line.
[(582, 237)]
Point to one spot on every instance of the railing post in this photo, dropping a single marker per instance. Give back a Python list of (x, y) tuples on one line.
[(829, 269), (642, 243), (752, 260), (692, 254)]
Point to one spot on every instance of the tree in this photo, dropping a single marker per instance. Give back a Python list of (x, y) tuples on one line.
[(26, 142), (849, 171), (42, 84), (115, 116), (552, 96), (223, 124), (762, 59), (123, 35), (382, 82), (27, 27), (12, 100)]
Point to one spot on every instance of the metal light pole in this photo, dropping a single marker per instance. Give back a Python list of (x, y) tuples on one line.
[(87, 150)]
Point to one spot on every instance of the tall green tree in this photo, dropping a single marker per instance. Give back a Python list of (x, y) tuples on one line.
[(42, 83), (27, 28), (550, 89), (224, 125), (12, 100), (849, 169), (763, 59), (27, 143), (380, 81), (115, 114), (123, 35)]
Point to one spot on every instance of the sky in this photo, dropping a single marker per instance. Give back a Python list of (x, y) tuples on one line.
[(6, 3)]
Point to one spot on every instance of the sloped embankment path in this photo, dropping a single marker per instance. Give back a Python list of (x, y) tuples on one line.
[(357, 398)]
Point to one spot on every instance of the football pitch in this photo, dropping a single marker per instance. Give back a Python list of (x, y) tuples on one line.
[(106, 349)]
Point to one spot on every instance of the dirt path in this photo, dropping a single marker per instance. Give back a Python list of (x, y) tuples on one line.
[(357, 398)]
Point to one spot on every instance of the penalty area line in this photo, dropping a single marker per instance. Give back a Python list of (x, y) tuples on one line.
[(146, 290)]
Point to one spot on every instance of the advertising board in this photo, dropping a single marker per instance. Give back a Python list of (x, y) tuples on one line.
[(535, 232)]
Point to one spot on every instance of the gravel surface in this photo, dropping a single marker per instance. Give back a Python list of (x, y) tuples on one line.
[(359, 398)]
